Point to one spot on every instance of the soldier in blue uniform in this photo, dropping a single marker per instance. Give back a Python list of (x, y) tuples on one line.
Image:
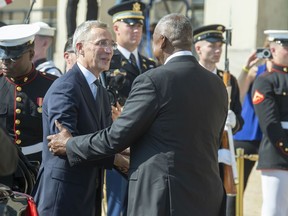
[(22, 89), (126, 64), (270, 100)]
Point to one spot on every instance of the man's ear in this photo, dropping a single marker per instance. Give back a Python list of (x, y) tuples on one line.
[(32, 53), (115, 28), (197, 49), (164, 41), (79, 48)]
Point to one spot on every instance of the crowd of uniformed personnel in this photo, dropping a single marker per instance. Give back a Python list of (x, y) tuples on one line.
[(23, 88)]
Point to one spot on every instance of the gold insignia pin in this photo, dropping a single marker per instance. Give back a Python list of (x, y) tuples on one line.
[(285, 69), (136, 7), (39, 109), (219, 28), (123, 63)]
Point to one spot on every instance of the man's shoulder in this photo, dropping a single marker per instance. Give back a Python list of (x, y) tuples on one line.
[(46, 76)]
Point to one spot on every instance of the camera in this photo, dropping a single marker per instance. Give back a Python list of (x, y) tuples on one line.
[(263, 53), (116, 81), (115, 97)]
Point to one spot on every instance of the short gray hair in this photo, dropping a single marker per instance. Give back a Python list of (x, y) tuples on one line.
[(177, 28), (82, 32)]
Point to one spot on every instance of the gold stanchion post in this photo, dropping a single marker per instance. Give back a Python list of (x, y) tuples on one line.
[(240, 185)]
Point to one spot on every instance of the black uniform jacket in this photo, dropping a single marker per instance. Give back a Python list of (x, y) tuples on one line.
[(235, 104), (270, 99), (120, 66), (21, 106)]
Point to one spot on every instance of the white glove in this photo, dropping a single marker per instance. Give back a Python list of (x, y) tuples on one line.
[(231, 119), (224, 156)]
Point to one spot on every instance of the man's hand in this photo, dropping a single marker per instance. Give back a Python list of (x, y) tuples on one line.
[(57, 142), (116, 111), (122, 161)]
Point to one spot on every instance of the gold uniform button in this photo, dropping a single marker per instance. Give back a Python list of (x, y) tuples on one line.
[(18, 99), (25, 79), (18, 141), (285, 69), (18, 111), (284, 93), (280, 144), (17, 121), (18, 88), (286, 149), (18, 132)]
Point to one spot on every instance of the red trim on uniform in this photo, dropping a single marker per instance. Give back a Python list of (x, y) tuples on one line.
[(8, 1), (40, 101), (15, 107), (258, 97)]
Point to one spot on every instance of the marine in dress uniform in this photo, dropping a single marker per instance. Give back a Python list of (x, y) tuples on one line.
[(22, 89), (43, 42), (128, 20), (270, 100)]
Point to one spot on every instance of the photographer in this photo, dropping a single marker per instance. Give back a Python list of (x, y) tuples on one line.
[(269, 97)]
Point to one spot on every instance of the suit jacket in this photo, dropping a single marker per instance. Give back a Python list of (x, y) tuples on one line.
[(173, 121), (61, 189)]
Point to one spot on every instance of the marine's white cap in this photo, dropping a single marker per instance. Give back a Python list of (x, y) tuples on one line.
[(277, 35), (45, 29), (15, 35), (16, 39)]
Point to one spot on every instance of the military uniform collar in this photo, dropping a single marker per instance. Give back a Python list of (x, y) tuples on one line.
[(279, 68), (23, 79), (126, 53)]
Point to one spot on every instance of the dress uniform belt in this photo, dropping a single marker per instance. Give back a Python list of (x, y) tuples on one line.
[(284, 124), (27, 150)]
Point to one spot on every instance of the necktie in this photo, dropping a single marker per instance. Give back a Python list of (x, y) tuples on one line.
[(133, 60), (98, 97)]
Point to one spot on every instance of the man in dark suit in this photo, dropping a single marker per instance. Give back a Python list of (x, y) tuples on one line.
[(77, 102), (173, 121)]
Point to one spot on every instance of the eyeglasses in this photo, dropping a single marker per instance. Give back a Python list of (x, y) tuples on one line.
[(14, 59), (105, 44)]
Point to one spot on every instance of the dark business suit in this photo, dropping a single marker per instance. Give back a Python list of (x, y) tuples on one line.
[(173, 121), (71, 101), (116, 184)]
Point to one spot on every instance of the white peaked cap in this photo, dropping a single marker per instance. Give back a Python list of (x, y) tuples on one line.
[(15, 35), (276, 34), (45, 29)]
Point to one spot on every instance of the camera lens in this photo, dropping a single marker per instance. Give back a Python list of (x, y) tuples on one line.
[(266, 53)]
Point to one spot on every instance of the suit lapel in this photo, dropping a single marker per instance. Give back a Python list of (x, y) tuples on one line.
[(88, 96)]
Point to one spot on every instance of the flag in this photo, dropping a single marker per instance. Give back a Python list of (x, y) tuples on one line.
[(3, 3)]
